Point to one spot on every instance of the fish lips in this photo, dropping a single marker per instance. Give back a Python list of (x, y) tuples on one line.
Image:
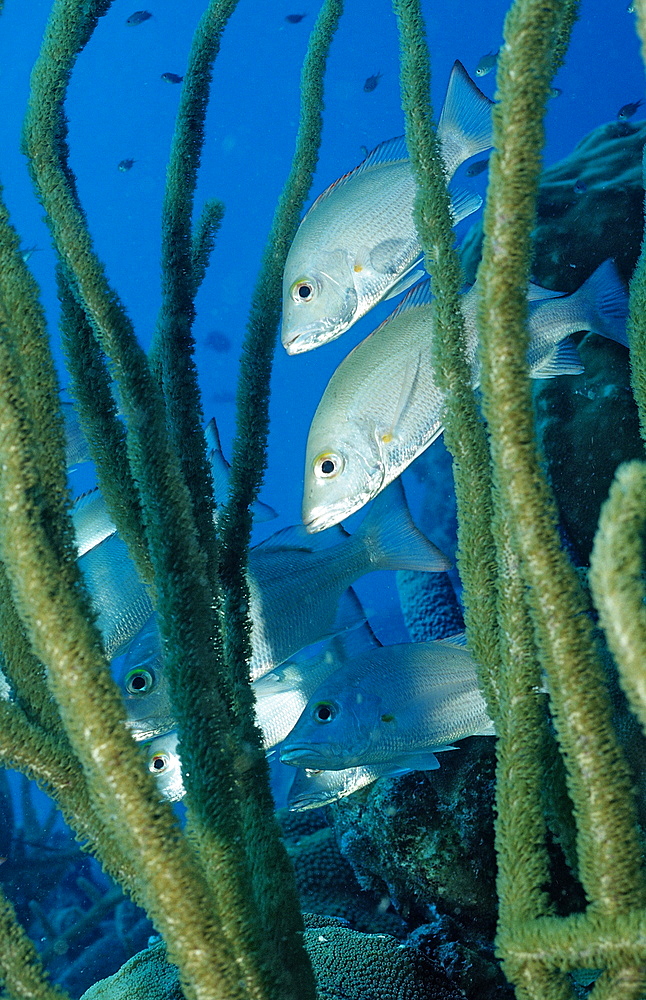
[(312, 336), (320, 758)]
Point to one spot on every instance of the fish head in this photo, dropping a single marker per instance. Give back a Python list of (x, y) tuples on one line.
[(342, 473), (163, 762), (335, 729), (320, 299), (139, 672)]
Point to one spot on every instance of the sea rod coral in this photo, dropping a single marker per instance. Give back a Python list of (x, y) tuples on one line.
[(222, 894)]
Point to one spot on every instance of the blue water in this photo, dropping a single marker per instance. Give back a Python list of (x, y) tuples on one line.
[(120, 108)]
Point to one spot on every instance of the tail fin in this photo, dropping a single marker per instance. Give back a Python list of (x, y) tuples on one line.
[(604, 297), (392, 539), (220, 474), (464, 128)]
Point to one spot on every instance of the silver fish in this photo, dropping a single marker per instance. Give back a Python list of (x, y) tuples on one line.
[(383, 407), (397, 705), (282, 695), (163, 762), (220, 474), (121, 600), (358, 243), (313, 789), (139, 672), (487, 63), (296, 586), (92, 523)]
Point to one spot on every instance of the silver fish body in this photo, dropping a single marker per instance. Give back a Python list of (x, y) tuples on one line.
[(397, 705), (358, 243), (139, 672), (296, 586), (163, 761), (383, 406), (282, 695), (313, 789)]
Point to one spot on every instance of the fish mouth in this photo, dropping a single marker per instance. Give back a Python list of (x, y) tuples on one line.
[(313, 336), (306, 756), (326, 517), (148, 729)]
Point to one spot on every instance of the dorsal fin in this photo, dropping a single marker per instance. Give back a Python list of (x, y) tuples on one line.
[(390, 151)]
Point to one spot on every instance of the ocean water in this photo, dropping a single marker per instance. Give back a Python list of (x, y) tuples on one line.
[(119, 108)]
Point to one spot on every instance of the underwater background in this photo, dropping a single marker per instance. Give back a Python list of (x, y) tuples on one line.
[(121, 114)]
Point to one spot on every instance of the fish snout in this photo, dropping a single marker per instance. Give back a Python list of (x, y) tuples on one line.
[(319, 758)]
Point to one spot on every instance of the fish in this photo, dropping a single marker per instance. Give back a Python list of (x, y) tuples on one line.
[(221, 475), (312, 789), (121, 601), (299, 596), (171, 78), (77, 450), (28, 252), (628, 110), (296, 585), (477, 168), (282, 695), (358, 243), (487, 63), (139, 672), (397, 705), (383, 407), (217, 341), (294, 18), (371, 82), (163, 761), (91, 520), (139, 17), (555, 92), (125, 165)]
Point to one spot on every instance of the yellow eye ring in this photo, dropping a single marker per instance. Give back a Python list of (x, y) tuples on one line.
[(328, 465), (303, 290), (159, 763)]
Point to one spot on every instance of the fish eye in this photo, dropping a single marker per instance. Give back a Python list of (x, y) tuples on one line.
[(159, 763), (139, 681), (324, 712), (328, 465), (303, 290)]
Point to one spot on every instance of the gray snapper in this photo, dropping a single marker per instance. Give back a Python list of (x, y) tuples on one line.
[(358, 243), (383, 407), (397, 705)]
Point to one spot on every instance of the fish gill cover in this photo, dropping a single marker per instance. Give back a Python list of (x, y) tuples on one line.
[(149, 583)]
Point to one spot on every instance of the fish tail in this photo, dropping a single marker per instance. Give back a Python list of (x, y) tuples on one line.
[(604, 303), (465, 123), (392, 539)]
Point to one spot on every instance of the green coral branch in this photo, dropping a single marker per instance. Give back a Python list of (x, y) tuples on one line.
[(21, 969), (38, 755), (599, 782), (185, 255), (464, 433), (92, 388), (204, 233), (218, 767), (49, 597), (637, 313), (617, 580), (273, 883)]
